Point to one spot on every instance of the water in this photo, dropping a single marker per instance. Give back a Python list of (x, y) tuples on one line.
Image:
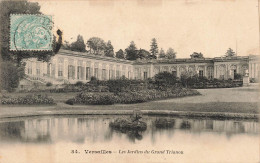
[(56, 137)]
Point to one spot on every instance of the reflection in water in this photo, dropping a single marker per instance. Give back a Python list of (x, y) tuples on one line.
[(96, 129)]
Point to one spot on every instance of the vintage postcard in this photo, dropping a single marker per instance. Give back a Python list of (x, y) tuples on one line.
[(129, 81)]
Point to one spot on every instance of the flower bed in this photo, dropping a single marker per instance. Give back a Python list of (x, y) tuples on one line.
[(93, 99), (129, 97), (29, 99)]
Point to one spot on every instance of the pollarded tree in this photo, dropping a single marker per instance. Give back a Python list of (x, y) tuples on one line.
[(154, 48), (120, 54), (162, 53), (79, 44), (230, 53), (131, 52), (170, 54), (109, 49), (196, 55), (96, 45)]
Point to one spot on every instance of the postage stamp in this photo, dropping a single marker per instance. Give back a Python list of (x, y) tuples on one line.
[(30, 32)]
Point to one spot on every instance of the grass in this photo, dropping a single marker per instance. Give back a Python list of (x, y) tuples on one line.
[(234, 100)]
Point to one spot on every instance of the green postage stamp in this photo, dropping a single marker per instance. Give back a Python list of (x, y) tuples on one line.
[(30, 32)]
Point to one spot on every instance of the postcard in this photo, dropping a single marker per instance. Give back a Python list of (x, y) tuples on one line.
[(129, 81)]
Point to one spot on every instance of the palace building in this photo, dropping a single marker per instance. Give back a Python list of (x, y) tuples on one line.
[(70, 67)]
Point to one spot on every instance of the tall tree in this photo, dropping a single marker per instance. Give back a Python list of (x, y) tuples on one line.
[(109, 50), (171, 54), (195, 55), (154, 48), (120, 54), (18, 7), (79, 44), (96, 45), (162, 53), (230, 53), (131, 53)]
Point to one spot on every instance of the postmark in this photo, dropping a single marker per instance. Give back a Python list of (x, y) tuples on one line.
[(30, 32)]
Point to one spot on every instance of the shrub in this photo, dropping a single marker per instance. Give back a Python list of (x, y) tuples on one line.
[(79, 83), (93, 99), (70, 101), (10, 75), (29, 100), (165, 79), (48, 84)]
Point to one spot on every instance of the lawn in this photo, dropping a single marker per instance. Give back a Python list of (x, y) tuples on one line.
[(233, 100)]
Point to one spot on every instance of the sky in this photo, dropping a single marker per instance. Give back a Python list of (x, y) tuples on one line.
[(187, 26)]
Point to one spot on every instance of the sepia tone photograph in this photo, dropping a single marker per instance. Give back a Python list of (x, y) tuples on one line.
[(129, 81)]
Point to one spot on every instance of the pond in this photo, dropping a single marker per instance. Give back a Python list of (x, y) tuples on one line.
[(63, 138)]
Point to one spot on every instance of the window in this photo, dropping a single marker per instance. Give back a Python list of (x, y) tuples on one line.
[(200, 73), (29, 68), (38, 70), (103, 74), (80, 72), (71, 72), (88, 73), (117, 74), (129, 74), (96, 72), (60, 70), (145, 75), (174, 73), (110, 74)]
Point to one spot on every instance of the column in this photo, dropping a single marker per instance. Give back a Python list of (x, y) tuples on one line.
[(250, 70), (151, 70), (55, 61), (205, 72), (33, 68), (215, 71), (65, 68), (178, 71), (254, 70), (84, 70), (76, 69)]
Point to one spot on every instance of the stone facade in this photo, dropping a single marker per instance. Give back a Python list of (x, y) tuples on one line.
[(70, 67)]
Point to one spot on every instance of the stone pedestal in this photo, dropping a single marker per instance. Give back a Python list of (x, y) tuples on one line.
[(246, 81)]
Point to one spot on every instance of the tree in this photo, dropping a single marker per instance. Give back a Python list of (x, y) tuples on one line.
[(170, 54), (19, 7), (120, 54), (230, 53), (10, 82), (66, 45), (78, 45), (131, 53), (195, 55), (162, 53), (143, 54), (96, 45), (109, 50), (154, 48)]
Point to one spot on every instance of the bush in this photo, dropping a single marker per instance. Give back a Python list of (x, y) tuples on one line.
[(165, 79), (130, 97), (29, 100), (79, 83), (10, 75), (48, 84), (93, 99)]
